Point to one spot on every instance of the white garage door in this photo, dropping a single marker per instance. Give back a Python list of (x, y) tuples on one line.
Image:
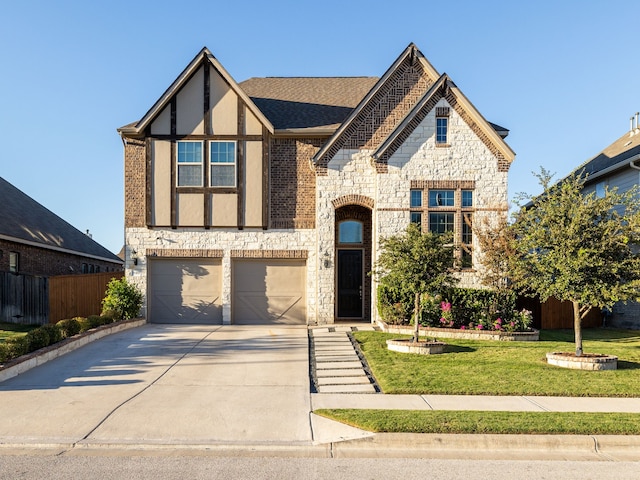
[(185, 290), (269, 291)]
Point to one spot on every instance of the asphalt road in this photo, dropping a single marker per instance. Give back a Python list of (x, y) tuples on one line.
[(19, 467)]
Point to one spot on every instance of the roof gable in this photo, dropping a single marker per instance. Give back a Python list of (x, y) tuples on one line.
[(204, 57), (445, 88), (24, 220), (404, 81)]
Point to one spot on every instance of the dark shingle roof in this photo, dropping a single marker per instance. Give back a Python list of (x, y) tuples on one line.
[(306, 102), (22, 218), (619, 151)]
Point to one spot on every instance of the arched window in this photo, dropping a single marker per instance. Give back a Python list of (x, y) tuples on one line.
[(350, 231)]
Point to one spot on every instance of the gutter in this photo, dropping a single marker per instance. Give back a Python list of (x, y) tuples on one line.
[(632, 161)]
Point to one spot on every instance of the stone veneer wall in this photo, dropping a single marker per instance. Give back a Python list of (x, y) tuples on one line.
[(351, 172), (225, 243)]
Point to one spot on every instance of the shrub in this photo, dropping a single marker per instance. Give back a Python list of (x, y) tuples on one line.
[(68, 328), (55, 335), (14, 347), (37, 339), (84, 323), (123, 300), (94, 321), (479, 309)]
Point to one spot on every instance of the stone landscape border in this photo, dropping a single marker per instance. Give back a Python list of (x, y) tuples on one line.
[(27, 362), (532, 336)]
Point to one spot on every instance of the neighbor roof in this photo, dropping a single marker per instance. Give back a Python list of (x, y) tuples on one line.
[(24, 220), (615, 156), (307, 102)]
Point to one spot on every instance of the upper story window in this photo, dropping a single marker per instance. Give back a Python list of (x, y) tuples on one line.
[(189, 164), (601, 189), (223, 164), (14, 262), (442, 126), (350, 231)]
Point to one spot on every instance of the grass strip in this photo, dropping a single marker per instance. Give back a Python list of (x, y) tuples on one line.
[(473, 367), (9, 330), (478, 422)]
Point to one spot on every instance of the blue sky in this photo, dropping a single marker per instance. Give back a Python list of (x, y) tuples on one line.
[(562, 75)]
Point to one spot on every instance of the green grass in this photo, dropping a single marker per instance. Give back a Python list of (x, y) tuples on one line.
[(476, 422), (8, 330), (507, 368)]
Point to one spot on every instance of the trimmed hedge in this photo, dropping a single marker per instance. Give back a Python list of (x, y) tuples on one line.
[(49, 334)]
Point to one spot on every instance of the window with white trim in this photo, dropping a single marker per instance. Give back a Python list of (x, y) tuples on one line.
[(189, 164), (222, 159)]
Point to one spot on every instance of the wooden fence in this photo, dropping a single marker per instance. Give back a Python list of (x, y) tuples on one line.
[(23, 299), (554, 314), (78, 295)]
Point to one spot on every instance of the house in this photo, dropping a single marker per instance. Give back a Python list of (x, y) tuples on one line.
[(35, 241), (265, 201), (617, 166)]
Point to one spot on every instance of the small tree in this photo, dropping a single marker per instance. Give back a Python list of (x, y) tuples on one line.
[(417, 262), (578, 247), (122, 299)]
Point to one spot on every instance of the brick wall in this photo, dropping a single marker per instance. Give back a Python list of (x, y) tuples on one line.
[(134, 183), (293, 183), (42, 261)]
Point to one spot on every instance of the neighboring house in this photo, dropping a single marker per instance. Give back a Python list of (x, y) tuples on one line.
[(265, 201), (35, 241), (617, 166)]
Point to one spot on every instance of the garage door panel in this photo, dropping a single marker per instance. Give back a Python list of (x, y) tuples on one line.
[(185, 291), (269, 291)]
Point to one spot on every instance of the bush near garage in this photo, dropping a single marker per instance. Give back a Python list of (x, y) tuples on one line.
[(49, 334)]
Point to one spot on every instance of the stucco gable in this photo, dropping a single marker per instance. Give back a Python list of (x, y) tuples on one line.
[(204, 57)]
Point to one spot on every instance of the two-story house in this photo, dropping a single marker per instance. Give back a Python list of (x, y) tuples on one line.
[(265, 201), (617, 166)]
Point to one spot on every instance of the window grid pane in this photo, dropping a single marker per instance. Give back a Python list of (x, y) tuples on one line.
[(441, 129), (189, 175), (223, 175), (441, 198), (416, 217), (441, 222), (416, 199), (467, 198), (189, 152)]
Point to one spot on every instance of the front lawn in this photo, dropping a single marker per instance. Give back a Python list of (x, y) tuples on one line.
[(471, 367), (9, 330)]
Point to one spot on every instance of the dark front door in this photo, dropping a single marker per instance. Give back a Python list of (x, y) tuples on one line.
[(350, 275)]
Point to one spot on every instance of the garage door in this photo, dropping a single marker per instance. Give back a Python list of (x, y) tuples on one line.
[(185, 291), (269, 291)]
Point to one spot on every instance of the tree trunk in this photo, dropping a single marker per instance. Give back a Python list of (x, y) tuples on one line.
[(416, 318), (577, 327)]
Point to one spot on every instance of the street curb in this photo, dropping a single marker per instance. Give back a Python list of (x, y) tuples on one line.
[(403, 445), (39, 357), (383, 445)]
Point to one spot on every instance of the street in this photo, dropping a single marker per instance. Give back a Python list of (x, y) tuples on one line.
[(194, 467)]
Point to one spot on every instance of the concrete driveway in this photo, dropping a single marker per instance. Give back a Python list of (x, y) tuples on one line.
[(167, 384)]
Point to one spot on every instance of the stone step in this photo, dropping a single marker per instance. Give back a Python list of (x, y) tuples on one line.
[(334, 364), (347, 389), (357, 380), (339, 372)]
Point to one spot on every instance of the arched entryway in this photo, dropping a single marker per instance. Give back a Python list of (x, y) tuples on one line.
[(353, 263)]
